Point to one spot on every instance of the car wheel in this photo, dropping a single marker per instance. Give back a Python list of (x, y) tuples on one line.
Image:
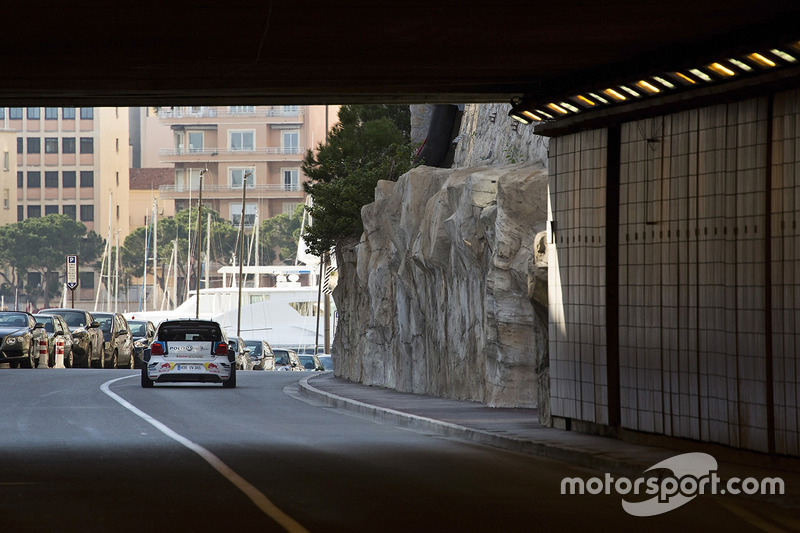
[(231, 383), (68, 359), (131, 360), (30, 362), (114, 360), (87, 360), (147, 383)]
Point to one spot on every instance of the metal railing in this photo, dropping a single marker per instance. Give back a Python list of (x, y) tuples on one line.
[(212, 188), (222, 111), (273, 150)]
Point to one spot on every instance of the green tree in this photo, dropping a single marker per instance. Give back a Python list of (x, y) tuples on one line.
[(40, 245), (223, 244), (279, 236), (368, 144)]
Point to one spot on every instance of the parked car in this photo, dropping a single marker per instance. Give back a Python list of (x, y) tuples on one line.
[(19, 339), (57, 330), (117, 341), (143, 332), (286, 359), (327, 362), (189, 350), (261, 356), (87, 339), (310, 362), (242, 353)]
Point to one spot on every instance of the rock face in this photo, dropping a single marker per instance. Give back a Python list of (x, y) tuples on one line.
[(446, 292)]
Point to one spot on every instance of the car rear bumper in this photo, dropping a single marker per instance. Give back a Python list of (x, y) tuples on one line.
[(215, 371)]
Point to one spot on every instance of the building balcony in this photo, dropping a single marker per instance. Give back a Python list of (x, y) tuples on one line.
[(214, 191), (188, 114), (202, 155)]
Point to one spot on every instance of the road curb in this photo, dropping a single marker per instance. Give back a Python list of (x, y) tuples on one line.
[(578, 456)]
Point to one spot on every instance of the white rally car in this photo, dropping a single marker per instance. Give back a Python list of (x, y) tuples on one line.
[(189, 350)]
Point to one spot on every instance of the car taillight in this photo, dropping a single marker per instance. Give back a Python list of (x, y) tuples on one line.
[(157, 348), (221, 348)]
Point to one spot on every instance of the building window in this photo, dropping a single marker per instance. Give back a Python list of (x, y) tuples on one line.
[(290, 142), (87, 213), (86, 279), (291, 110), (20, 179), (117, 212), (6, 160), (87, 145), (50, 210), (20, 213), (34, 179), (34, 145), (241, 109), (51, 113), (69, 210), (237, 177), (241, 140), (20, 142), (249, 214), (6, 199), (117, 144), (87, 178), (68, 113), (2, 112), (195, 141), (51, 145), (34, 113), (34, 211), (288, 208), (68, 179), (117, 179), (51, 179), (34, 279), (68, 145), (87, 113), (15, 113), (291, 181)]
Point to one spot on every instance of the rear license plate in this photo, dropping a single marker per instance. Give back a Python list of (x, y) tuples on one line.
[(188, 367)]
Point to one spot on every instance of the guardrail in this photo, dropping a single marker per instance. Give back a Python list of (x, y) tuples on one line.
[(210, 188), (222, 112)]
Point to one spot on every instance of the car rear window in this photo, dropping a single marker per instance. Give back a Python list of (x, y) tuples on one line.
[(189, 332)]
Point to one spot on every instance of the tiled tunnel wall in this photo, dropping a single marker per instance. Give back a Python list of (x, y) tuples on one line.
[(709, 281)]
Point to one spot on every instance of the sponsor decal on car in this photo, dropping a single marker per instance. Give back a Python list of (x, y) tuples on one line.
[(213, 368), (165, 367)]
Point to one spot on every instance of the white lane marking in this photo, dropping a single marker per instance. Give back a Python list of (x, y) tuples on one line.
[(256, 496)]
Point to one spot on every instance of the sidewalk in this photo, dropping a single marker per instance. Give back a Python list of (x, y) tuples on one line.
[(517, 430)]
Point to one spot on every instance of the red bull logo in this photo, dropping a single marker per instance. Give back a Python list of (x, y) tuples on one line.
[(165, 367), (212, 367)]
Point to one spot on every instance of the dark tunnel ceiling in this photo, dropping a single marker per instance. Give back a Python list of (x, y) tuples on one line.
[(350, 52)]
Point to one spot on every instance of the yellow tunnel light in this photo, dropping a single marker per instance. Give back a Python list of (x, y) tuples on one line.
[(684, 77), (721, 69), (557, 108), (761, 60), (615, 95), (783, 55), (647, 86), (584, 100), (700, 74)]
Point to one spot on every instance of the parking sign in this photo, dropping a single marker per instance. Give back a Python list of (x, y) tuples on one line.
[(72, 272)]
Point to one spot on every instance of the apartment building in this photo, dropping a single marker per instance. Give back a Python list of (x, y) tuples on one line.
[(72, 161), (262, 146), (8, 177)]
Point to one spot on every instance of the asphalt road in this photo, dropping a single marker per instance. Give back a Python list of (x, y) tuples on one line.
[(90, 450)]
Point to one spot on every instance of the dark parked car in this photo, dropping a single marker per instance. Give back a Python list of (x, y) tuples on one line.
[(87, 339), (286, 359), (310, 362), (261, 356), (19, 339), (327, 362), (143, 332), (117, 341), (57, 330)]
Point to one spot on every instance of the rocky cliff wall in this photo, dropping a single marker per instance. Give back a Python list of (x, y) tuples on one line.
[(445, 293)]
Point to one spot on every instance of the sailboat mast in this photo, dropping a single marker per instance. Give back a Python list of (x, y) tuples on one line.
[(208, 246), (155, 255)]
